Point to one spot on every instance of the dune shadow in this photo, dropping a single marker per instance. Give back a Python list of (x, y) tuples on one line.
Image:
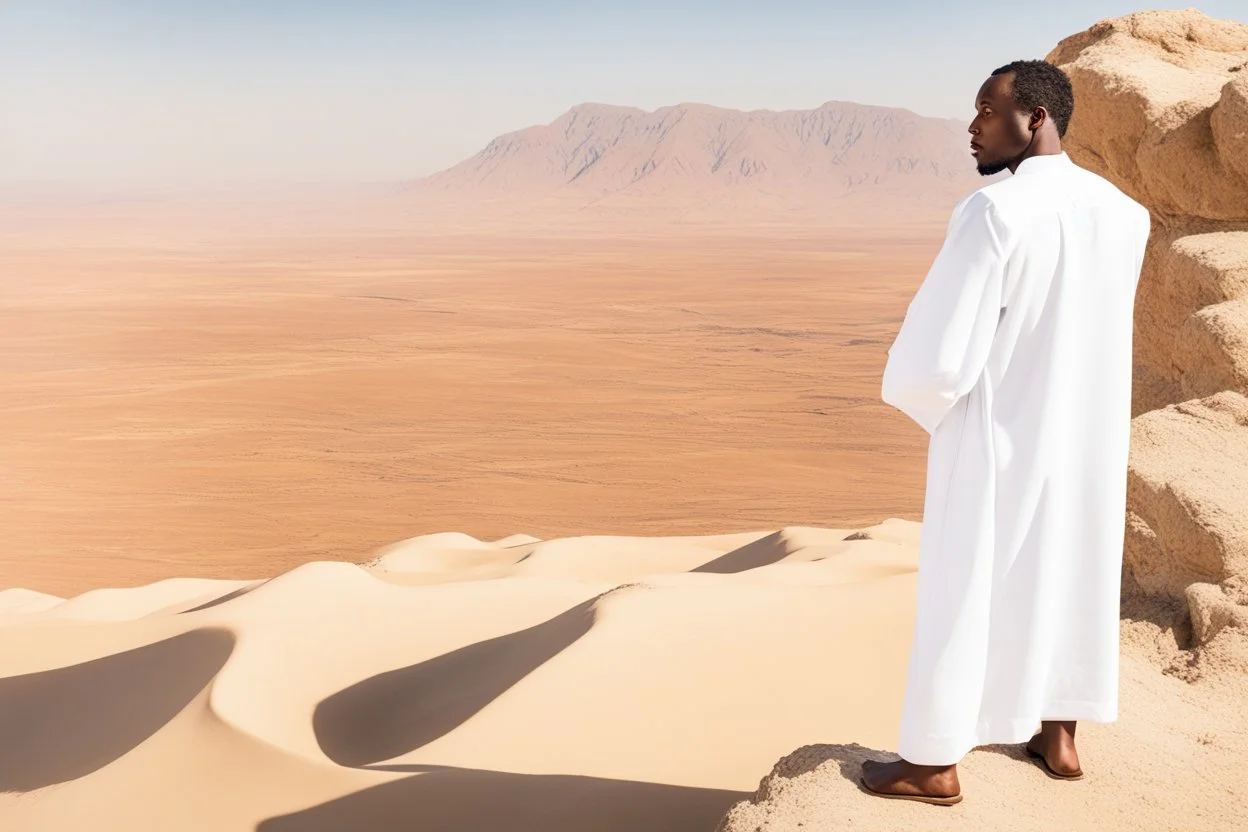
[(401, 710), (59, 725), (226, 598), (469, 800), (762, 552)]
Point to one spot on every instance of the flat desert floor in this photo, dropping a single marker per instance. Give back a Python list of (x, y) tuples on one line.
[(233, 408)]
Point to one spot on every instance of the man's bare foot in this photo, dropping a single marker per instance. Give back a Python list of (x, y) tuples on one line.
[(909, 781), (1055, 744)]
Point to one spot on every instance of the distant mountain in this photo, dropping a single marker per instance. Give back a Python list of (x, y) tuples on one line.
[(689, 154)]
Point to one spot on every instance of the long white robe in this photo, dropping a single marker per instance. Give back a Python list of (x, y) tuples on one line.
[(1015, 356)]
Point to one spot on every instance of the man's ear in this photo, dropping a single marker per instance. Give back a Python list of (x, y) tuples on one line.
[(1038, 117)]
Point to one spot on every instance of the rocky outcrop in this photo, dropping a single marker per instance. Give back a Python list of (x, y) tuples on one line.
[(1190, 324), (1161, 110), (1187, 496)]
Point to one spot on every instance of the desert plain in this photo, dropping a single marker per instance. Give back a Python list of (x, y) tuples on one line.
[(241, 404)]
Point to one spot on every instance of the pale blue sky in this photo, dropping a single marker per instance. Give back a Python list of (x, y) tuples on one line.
[(228, 90)]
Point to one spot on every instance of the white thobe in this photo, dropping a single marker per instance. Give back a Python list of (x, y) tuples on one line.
[(1015, 356)]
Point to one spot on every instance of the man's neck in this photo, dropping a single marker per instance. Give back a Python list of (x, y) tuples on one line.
[(1044, 145)]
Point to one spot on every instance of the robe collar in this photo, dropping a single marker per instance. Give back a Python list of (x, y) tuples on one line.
[(1046, 163)]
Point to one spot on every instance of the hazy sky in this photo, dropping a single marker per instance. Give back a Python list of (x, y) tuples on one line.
[(223, 90)]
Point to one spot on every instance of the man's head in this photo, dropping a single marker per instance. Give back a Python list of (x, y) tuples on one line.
[(1022, 109)]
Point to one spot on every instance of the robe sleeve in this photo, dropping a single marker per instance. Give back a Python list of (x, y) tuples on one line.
[(944, 341)]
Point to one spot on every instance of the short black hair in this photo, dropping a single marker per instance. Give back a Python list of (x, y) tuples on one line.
[(1041, 84)]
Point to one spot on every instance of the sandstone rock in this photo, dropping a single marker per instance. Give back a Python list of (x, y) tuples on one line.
[(1150, 91), (1211, 611), (1187, 495), (1229, 124), (1183, 274), (1211, 350)]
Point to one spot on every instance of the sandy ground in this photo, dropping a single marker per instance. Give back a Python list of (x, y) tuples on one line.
[(586, 683), (236, 407)]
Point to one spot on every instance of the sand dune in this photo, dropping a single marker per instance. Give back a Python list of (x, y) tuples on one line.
[(585, 683)]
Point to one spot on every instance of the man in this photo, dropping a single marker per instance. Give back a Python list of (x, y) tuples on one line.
[(1015, 356)]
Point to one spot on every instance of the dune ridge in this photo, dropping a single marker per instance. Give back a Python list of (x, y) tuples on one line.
[(605, 665)]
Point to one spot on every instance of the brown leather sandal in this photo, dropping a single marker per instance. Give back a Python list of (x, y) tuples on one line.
[(1043, 763), (922, 798)]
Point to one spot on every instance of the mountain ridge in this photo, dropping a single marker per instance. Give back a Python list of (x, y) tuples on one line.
[(690, 152)]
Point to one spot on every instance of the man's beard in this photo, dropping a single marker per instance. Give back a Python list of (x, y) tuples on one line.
[(992, 167)]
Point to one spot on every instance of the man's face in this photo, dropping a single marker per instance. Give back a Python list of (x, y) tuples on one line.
[(999, 131)]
